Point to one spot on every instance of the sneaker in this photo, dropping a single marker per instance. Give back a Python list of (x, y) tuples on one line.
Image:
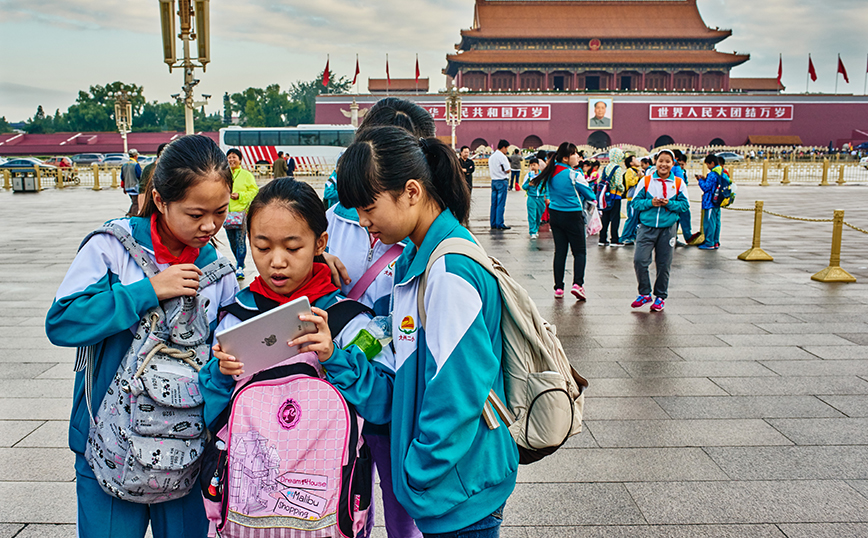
[(716, 246), (628, 243), (603, 244), (680, 243), (534, 236), (641, 301), (618, 244), (705, 247), (579, 292), (239, 274), (658, 305), (559, 293), (505, 227)]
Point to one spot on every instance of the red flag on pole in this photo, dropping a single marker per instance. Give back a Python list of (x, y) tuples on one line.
[(811, 70), (417, 69), (355, 76), (388, 78), (842, 70), (780, 69), (325, 74)]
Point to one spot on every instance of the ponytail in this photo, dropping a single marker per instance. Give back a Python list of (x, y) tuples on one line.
[(384, 159), (565, 150)]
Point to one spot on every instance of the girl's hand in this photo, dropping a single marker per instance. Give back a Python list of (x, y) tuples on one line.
[(235, 196), (320, 341), (340, 275), (229, 365), (177, 280)]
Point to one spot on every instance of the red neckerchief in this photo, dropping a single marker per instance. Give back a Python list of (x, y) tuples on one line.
[(161, 252), (663, 184), (560, 168), (318, 285)]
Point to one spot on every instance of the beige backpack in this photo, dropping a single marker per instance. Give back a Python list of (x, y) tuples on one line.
[(544, 393)]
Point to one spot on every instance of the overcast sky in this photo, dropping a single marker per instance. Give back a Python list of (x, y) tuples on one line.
[(53, 48)]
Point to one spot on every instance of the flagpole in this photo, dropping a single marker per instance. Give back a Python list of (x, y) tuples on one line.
[(417, 73), (865, 89), (837, 72), (808, 73), (387, 75)]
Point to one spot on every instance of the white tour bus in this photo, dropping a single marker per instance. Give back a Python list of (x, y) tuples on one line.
[(315, 148)]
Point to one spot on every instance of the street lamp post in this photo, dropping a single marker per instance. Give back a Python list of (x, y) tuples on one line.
[(453, 110), (123, 114), (188, 10)]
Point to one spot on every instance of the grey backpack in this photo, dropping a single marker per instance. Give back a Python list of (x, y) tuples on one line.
[(148, 434)]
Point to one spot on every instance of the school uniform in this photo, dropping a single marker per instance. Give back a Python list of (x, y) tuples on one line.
[(657, 229), (449, 470), (631, 181), (100, 302), (684, 217), (536, 202), (567, 190), (710, 211), (350, 242)]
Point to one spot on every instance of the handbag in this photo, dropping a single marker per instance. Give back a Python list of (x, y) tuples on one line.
[(234, 220), (592, 219)]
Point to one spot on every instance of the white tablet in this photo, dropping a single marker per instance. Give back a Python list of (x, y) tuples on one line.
[(260, 342)]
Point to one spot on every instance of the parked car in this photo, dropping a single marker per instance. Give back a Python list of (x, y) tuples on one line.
[(115, 159), (60, 162), (731, 157), (864, 163), (88, 158), (2, 160), (145, 161), (25, 164)]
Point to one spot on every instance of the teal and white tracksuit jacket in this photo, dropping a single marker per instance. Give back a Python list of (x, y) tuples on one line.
[(448, 469), (100, 302), (665, 216), (349, 241), (217, 388)]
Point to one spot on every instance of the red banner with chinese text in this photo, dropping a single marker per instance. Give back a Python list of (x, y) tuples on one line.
[(722, 112), (511, 112)]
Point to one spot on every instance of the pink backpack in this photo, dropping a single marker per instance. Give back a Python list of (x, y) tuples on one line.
[(288, 459)]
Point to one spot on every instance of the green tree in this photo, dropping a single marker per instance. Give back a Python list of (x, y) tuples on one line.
[(39, 124), (306, 92), (4, 125)]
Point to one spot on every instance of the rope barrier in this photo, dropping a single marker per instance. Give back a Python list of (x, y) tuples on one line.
[(855, 228), (804, 219)]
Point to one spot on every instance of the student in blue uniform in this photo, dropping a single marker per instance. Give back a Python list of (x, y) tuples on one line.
[(105, 294), (711, 211), (449, 470)]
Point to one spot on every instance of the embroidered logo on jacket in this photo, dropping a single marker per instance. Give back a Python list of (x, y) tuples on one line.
[(408, 325)]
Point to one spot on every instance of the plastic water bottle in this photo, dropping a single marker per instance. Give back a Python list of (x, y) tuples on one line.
[(376, 335)]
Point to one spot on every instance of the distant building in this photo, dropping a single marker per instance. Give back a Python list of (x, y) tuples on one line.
[(557, 45), (397, 85)]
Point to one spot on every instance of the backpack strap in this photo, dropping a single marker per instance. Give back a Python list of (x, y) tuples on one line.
[(373, 271), (456, 245), (135, 250), (647, 182), (342, 312)]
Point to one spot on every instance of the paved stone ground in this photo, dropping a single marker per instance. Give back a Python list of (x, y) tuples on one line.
[(742, 410)]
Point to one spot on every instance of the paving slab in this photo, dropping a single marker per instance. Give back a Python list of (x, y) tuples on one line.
[(48, 531), (51, 434), (38, 502), (9, 530), (623, 409), (783, 386), (851, 406), (838, 352), (792, 462), (13, 431), (571, 504), (36, 465), (778, 501), (684, 433), (710, 407), (823, 431), (653, 531), (819, 368), (648, 369), (741, 353), (623, 465), (654, 386), (824, 530)]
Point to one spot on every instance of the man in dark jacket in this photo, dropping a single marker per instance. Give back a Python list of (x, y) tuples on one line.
[(131, 172), (467, 166), (279, 166)]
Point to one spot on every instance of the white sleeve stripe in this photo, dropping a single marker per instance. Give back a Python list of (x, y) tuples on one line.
[(452, 305)]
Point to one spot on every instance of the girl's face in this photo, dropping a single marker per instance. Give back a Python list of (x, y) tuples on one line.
[(574, 160), (284, 247), (664, 164), (389, 219), (234, 161), (194, 220)]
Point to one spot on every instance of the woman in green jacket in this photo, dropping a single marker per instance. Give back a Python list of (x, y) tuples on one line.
[(244, 189)]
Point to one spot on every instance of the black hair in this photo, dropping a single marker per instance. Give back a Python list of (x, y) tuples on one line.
[(297, 197), (502, 144), (183, 164), (595, 165), (533, 160), (400, 113), (464, 147), (628, 159), (712, 159), (679, 156), (280, 154), (541, 155), (565, 150), (160, 148), (516, 152), (383, 159), (236, 152), (647, 160), (720, 160)]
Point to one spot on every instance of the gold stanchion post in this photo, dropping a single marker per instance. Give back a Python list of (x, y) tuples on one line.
[(756, 253), (825, 180), (700, 237), (114, 177), (786, 180), (38, 177), (59, 177), (7, 179), (834, 273), (765, 181), (95, 168), (841, 175)]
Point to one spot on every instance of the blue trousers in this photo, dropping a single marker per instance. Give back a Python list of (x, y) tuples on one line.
[(238, 244), (102, 516), (399, 524), (498, 202), (514, 176), (684, 221), (536, 206), (711, 226), (487, 527), (630, 226)]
